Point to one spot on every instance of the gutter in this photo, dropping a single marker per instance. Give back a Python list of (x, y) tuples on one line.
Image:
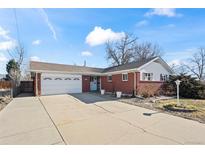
[(86, 73), (65, 72)]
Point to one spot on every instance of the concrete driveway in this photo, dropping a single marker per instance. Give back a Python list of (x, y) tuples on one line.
[(25, 121), (91, 119)]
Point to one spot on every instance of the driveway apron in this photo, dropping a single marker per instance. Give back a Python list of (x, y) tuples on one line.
[(25, 121)]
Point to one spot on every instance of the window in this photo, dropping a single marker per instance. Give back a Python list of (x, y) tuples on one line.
[(67, 78), (58, 79), (93, 78), (124, 77), (47, 79), (164, 77), (76, 79), (109, 78), (147, 76)]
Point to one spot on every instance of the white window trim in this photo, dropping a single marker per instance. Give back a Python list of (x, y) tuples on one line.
[(165, 77), (108, 78), (124, 74), (146, 79)]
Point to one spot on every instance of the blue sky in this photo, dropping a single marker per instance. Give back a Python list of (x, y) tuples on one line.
[(70, 36)]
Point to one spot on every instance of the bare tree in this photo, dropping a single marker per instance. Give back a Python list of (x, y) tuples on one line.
[(197, 64), (17, 56), (179, 69), (127, 50), (146, 50), (121, 52)]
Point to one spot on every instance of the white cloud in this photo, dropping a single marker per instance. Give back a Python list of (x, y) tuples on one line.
[(35, 58), (3, 58), (3, 61), (6, 42), (175, 62), (49, 24), (163, 12), (6, 45), (36, 42), (142, 23), (180, 57), (99, 36), (86, 53), (4, 33)]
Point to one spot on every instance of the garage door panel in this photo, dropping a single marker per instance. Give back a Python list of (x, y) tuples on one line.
[(67, 84)]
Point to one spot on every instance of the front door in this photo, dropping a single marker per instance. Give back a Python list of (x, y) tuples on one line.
[(93, 83)]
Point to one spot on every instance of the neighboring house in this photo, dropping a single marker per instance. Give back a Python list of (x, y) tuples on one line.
[(2, 76), (134, 77)]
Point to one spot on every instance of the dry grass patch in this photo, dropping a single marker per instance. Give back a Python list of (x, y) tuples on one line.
[(4, 101), (197, 108)]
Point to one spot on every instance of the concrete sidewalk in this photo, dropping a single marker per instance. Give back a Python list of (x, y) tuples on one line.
[(25, 121)]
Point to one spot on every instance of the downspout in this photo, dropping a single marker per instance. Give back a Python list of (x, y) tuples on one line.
[(100, 84), (36, 84)]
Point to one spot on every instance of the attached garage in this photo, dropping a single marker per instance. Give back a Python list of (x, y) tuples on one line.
[(60, 83), (51, 79)]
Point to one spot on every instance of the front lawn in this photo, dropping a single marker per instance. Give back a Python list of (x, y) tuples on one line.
[(163, 104), (197, 105)]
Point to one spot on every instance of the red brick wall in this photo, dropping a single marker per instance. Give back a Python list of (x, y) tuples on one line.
[(106, 85), (149, 87), (127, 87), (117, 84), (34, 85), (37, 84), (86, 83)]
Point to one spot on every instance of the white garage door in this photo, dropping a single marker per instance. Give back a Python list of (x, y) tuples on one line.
[(60, 84)]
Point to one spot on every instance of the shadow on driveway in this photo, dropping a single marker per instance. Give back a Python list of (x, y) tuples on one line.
[(151, 113), (25, 95), (90, 98)]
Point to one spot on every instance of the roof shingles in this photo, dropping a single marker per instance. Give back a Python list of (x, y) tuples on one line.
[(127, 66), (42, 66)]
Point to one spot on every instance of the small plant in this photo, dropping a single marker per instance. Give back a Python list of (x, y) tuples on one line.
[(157, 93), (179, 108), (145, 94)]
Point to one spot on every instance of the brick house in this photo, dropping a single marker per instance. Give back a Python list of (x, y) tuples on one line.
[(131, 78)]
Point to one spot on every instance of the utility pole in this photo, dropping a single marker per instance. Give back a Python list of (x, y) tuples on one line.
[(84, 63)]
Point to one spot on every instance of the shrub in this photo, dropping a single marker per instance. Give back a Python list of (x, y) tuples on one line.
[(145, 94), (148, 90), (189, 87), (179, 108)]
